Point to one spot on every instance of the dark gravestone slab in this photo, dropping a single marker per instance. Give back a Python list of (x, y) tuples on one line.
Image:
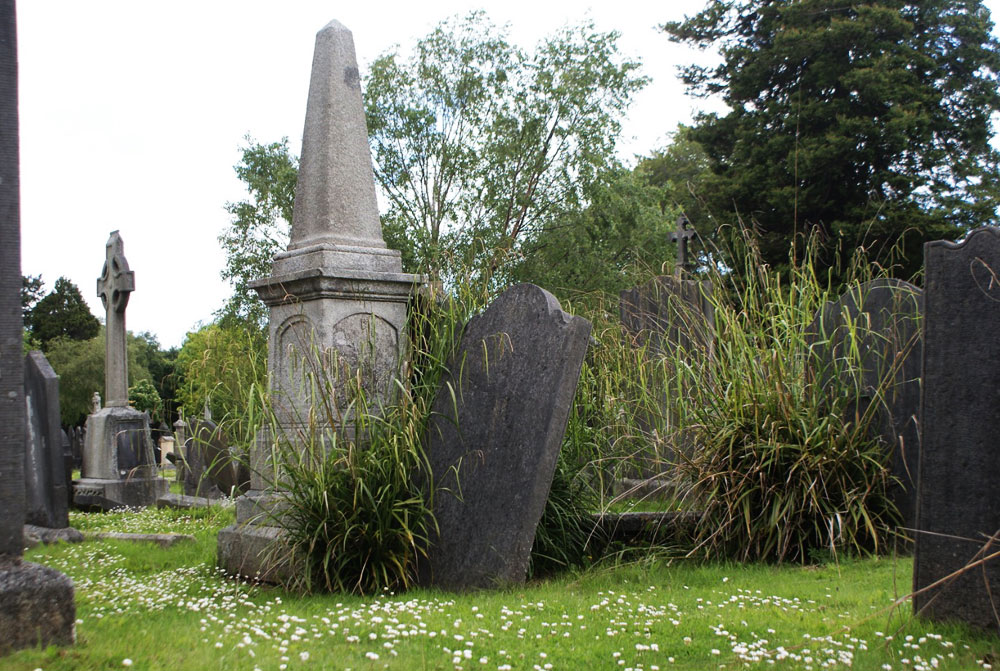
[(665, 315), (668, 312), (514, 378), (44, 466), (960, 461), (882, 318), (36, 602), (211, 469), (77, 439)]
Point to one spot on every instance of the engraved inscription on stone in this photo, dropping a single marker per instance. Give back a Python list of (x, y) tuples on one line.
[(364, 345)]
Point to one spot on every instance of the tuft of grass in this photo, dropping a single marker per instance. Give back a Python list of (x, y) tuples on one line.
[(785, 464)]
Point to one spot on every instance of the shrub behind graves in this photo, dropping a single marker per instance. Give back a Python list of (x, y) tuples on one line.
[(785, 466)]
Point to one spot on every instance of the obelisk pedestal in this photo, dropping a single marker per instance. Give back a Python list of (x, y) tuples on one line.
[(118, 466), (337, 296)]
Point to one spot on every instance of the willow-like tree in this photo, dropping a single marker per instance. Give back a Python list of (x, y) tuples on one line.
[(479, 145), (868, 120)]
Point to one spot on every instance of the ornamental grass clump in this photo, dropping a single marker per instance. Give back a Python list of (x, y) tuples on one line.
[(787, 464)]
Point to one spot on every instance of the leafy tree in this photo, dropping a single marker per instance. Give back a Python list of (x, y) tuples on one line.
[(80, 366), (223, 366), (62, 313), (32, 290), (680, 171), (143, 397), (479, 146), (161, 366), (620, 238), (260, 225), (869, 121)]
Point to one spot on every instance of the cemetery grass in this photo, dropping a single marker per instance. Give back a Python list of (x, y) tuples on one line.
[(143, 607)]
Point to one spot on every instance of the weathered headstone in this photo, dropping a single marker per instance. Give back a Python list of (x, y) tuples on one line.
[(77, 438), (337, 296), (36, 602), (882, 320), (493, 456), (44, 466), (118, 464), (180, 438), (211, 469), (669, 312), (670, 316), (957, 516)]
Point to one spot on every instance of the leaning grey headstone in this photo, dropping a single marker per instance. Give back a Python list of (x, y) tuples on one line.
[(882, 319), (957, 516), (44, 466), (36, 602), (514, 378)]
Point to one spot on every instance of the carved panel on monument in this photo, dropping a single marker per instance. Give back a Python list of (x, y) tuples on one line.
[(363, 344), (294, 342)]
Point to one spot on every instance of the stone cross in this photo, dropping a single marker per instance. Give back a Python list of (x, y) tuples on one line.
[(114, 286), (681, 236)]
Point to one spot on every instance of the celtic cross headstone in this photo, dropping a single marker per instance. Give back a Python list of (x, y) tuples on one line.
[(114, 286)]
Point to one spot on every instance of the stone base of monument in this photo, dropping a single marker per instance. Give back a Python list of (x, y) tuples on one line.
[(118, 466), (252, 548), (36, 606)]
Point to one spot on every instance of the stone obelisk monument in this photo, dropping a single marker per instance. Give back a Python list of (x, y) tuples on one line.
[(337, 295), (118, 466)]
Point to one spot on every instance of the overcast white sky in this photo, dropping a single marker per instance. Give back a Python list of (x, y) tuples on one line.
[(133, 112)]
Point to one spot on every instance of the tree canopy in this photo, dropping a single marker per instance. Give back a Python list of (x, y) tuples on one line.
[(80, 366), (480, 145), (61, 313), (260, 225), (867, 121)]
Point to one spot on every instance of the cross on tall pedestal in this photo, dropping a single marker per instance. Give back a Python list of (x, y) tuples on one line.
[(114, 286), (681, 237)]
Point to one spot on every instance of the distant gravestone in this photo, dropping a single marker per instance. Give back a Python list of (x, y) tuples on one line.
[(514, 378), (669, 312), (885, 317), (957, 515), (77, 438), (211, 469), (44, 465)]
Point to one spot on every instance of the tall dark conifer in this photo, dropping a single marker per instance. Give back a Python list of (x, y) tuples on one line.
[(868, 120)]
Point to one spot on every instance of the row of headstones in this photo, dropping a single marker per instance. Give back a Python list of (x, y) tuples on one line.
[(939, 403), (208, 467)]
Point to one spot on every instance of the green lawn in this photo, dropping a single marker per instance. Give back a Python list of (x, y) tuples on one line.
[(143, 607)]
